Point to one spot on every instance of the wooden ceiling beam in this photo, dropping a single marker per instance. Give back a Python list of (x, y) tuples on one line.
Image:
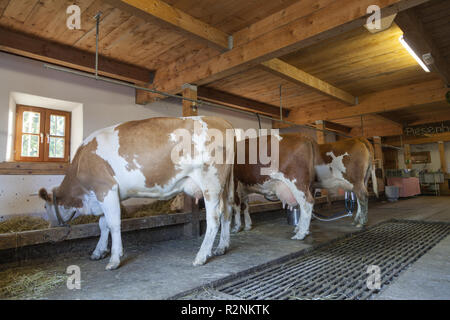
[(238, 102), (297, 76), (378, 102), (395, 141), (371, 131), (333, 126), (422, 42), (385, 119), (39, 49), (156, 9), (199, 29), (305, 29), (444, 116)]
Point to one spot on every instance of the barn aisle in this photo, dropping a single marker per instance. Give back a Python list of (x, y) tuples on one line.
[(162, 269)]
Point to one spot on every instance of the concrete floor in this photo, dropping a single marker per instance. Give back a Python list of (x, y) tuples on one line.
[(158, 270)]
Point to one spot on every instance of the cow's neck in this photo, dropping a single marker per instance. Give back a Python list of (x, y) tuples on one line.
[(70, 193)]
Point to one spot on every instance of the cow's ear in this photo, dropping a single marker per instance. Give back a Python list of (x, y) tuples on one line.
[(44, 195)]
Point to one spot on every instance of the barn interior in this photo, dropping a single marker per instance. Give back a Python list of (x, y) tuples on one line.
[(326, 69)]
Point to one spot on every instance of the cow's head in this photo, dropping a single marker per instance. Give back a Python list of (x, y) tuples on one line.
[(58, 214)]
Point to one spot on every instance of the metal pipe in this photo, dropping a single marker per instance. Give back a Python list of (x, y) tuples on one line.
[(197, 101), (281, 106), (97, 31)]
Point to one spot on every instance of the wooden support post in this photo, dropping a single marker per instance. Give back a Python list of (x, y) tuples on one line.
[(189, 108), (442, 156), (320, 134), (379, 162), (407, 152), (192, 228)]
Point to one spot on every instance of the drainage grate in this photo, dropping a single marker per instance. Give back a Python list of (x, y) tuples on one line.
[(337, 270)]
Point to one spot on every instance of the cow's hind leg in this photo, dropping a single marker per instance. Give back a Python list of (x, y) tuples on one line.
[(111, 209), (306, 206), (361, 217), (224, 242), (247, 219), (212, 226), (101, 250)]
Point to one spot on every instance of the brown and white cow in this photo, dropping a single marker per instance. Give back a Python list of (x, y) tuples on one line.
[(136, 159), (348, 164), (345, 164), (291, 183)]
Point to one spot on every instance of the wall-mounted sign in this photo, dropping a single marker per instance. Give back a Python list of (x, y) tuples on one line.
[(431, 128)]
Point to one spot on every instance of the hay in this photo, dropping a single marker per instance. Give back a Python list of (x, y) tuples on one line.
[(153, 209), (22, 223), (84, 219), (27, 223), (28, 283)]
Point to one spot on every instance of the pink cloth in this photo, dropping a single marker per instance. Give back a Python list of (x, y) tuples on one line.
[(408, 187)]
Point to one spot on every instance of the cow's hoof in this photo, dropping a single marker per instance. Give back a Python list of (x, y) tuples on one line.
[(236, 229), (220, 251), (199, 261), (112, 265), (248, 228), (99, 256), (300, 236)]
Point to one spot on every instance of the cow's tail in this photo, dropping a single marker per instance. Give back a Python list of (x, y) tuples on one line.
[(371, 167), (374, 179)]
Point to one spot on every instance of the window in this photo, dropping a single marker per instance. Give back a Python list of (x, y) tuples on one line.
[(42, 134)]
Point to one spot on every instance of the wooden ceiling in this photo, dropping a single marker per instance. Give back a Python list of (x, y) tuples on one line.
[(122, 36), (435, 18), (358, 62)]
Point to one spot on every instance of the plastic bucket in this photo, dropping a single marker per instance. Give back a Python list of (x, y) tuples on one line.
[(392, 193)]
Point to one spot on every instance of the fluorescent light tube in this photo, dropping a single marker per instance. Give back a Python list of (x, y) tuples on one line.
[(413, 54)]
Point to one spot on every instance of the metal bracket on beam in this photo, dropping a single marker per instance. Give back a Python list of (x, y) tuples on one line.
[(189, 86), (356, 101), (230, 42)]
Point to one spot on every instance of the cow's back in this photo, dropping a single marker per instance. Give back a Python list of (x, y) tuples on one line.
[(135, 154), (296, 159), (358, 154)]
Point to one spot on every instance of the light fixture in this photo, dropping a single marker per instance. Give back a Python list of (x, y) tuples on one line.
[(413, 54)]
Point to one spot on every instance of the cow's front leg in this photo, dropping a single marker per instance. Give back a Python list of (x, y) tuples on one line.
[(111, 209), (101, 250), (212, 226), (237, 219)]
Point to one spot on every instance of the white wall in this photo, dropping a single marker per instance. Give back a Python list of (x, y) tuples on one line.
[(103, 104), (435, 164)]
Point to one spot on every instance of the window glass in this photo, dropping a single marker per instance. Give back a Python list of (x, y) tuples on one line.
[(57, 124), (30, 145), (31, 122), (56, 147)]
